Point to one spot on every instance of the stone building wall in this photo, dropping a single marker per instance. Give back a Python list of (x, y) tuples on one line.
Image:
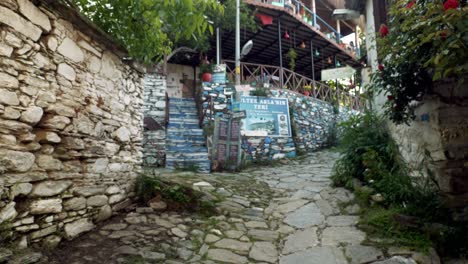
[(154, 138), (441, 130), (70, 123)]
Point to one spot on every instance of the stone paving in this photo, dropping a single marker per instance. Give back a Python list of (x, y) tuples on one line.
[(286, 214)]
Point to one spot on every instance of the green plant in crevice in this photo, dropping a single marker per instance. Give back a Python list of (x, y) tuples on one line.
[(147, 188)]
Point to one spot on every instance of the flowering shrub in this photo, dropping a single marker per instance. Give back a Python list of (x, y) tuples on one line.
[(425, 41)]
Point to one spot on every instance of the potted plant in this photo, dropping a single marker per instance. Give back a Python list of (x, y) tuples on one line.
[(307, 89), (292, 55), (206, 69)]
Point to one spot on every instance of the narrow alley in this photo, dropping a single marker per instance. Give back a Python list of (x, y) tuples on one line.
[(286, 214)]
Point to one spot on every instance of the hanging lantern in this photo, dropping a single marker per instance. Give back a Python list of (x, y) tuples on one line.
[(338, 64), (286, 35), (302, 45), (317, 53), (329, 60)]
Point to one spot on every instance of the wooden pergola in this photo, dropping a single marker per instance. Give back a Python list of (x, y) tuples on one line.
[(316, 50)]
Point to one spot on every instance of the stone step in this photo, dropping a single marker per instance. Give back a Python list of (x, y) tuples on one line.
[(187, 142), (184, 120), (182, 126), (183, 115), (182, 105), (178, 132), (178, 99), (178, 149)]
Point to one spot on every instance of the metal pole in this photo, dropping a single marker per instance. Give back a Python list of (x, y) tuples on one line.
[(280, 53), (312, 59), (356, 40), (336, 84), (314, 11), (338, 29), (217, 46), (237, 42)]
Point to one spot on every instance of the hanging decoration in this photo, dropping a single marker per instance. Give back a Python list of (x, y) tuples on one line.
[(317, 53), (338, 64), (286, 35), (329, 60), (302, 45)]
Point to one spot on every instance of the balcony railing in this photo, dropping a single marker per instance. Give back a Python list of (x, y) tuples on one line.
[(274, 76), (302, 12)]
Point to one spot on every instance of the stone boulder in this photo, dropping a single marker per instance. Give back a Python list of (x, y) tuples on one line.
[(50, 188), (11, 160), (77, 227)]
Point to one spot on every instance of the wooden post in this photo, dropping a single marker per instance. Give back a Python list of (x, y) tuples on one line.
[(280, 53)]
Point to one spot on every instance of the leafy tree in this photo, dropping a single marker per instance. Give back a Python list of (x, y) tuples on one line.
[(149, 29)]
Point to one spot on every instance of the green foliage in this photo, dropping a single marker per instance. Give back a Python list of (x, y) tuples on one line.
[(206, 67), (412, 213), (146, 188), (178, 196), (260, 91), (424, 44), (227, 21), (292, 56), (380, 221), (6, 233), (370, 155), (149, 29), (208, 129), (176, 193)]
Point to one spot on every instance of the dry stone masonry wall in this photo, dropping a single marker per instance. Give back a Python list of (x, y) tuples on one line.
[(70, 124)]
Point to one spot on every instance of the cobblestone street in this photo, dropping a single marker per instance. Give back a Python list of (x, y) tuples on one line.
[(284, 214)]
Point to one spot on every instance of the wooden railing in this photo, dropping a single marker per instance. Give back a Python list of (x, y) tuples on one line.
[(278, 77), (202, 111)]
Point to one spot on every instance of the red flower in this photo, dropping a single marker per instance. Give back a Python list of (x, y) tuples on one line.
[(451, 4), (410, 4), (381, 67), (443, 35), (390, 97), (383, 30)]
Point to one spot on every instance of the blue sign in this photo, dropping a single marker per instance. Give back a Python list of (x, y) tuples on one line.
[(265, 116)]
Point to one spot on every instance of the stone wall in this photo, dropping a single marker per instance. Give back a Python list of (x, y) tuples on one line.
[(441, 130), (313, 122), (154, 139), (70, 123)]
